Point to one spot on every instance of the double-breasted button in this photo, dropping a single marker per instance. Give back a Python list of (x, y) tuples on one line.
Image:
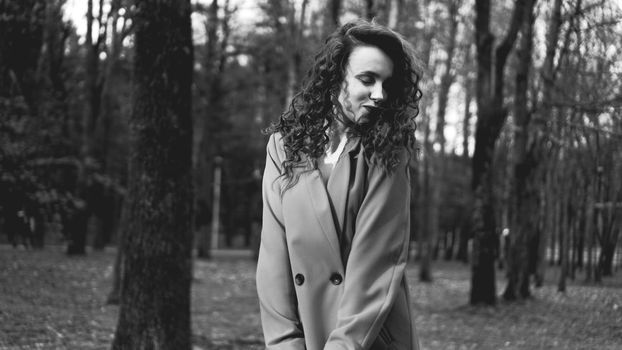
[(336, 279), (299, 279)]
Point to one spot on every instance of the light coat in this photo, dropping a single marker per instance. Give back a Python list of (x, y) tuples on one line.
[(311, 299)]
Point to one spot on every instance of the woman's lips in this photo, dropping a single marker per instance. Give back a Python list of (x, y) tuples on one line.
[(371, 109), (369, 113)]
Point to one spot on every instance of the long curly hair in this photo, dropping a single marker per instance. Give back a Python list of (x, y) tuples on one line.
[(384, 135)]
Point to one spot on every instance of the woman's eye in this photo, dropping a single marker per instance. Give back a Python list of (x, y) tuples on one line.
[(366, 80)]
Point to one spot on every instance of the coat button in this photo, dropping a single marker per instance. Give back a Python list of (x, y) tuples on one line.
[(299, 279), (336, 279)]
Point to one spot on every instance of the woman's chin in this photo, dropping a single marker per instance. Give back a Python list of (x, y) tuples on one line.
[(368, 116), (362, 118)]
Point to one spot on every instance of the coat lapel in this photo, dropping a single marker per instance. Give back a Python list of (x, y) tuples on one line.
[(330, 201), (339, 185), (321, 208)]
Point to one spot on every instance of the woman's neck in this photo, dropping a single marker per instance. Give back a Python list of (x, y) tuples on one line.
[(336, 134)]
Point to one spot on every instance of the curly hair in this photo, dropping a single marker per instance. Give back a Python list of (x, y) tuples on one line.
[(304, 125)]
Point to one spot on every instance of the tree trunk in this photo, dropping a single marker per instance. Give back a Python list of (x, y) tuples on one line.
[(563, 249), (108, 103), (610, 234), (92, 97), (449, 248), (93, 83), (295, 40), (425, 238), (543, 235), (55, 35), (491, 116), (485, 240), (214, 124), (79, 218), (395, 7), (75, 228), (114, 297), (606, 258), (370, 10), (563, 218), (207, 126), (589, 231), (154, 312), (579, 257), (575, 225), (560, 227), (525, 213), (109, 79), (429, 209), (599, 233), (447, 80), (465, 222), (331, 17)]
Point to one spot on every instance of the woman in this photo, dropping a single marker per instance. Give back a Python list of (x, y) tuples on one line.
[(335, 235)]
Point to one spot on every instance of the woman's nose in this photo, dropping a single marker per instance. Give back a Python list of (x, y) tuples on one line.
[(377, 93)]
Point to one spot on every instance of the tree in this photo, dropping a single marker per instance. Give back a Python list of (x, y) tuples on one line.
[(548, 77), (525, 207), (464, 220), (332, 15), (434, 163), (105, 197), (428, 214), (395, 8), (101, 74), (154, 311), (440, 160), (370, 10), (577, 119), (491, 115), (37, 157), (210, 126), (389, 12)]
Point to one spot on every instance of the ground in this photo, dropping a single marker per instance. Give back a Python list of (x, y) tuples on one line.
[(51, 301)]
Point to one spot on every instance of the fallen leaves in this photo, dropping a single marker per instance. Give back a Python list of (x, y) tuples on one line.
[(51, 301)]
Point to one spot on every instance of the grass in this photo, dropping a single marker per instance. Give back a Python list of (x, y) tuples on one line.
[(50, 301)]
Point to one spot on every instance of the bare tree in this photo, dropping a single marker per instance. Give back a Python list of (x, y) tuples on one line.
[(548, 76), (491, 117), (429, 212), (434, 163), (295, 36), (333, 14), (525, 207), (370, 10), (210, 126), (468, 83), (395, 8), (97, 114)]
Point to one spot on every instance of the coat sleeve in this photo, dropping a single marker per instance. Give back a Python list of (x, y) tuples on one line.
[(377, 260), (277, 297)]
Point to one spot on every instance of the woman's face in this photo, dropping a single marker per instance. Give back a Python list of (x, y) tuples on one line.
[(363, 89)]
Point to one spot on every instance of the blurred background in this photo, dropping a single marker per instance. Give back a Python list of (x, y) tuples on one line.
[(519, 129), (65, 100)]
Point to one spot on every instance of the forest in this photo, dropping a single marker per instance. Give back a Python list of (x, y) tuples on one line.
[(519, 134)]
